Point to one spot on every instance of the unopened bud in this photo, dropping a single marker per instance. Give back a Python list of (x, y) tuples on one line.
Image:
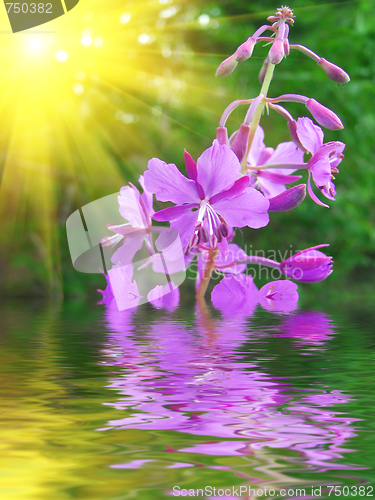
[(276, 52), (239, 145), (333, 72), (324, 116), (227, 66), (222, 136), (245, 50), (286, 46), (288, 199), (263, 70)]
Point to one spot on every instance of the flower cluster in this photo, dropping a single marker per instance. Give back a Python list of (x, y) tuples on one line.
[(235, 183)]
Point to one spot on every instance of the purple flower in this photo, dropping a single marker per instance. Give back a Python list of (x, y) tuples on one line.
[(239, 295), (214, 196), (308, 266), (107, 293), (166, 296), (235, 295), (322, 166), (279, 296), (125, 289), (271, 181), (136, 208), (310, 329)]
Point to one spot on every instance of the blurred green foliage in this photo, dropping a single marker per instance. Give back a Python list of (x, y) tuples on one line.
[(342, 33)]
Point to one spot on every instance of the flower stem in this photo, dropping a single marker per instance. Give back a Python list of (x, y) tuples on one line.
[(258, 112), (210, 266)]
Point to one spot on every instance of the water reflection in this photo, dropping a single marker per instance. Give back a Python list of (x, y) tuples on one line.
[(200, 379)]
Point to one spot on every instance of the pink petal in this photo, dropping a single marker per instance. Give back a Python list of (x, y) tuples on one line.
[(146, 196), (279, 296), (312, 194), (234, 253), (238, 187), (278, 177), (229, 294), (218, 169), (172, 213), (235, 294), (125, 291), (247, 209), (126, 252), (257, 148), (168, 184), (321, 171), (130, 208), (166, 296), (286, 152), (185, 226), (310, 135)]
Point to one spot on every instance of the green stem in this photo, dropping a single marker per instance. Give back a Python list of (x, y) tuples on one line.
[(258, 112)]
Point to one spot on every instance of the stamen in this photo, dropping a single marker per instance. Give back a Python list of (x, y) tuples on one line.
[(194, 240), (187, 249), (213, 241), (224, 230), (203, 234), (218, 234)]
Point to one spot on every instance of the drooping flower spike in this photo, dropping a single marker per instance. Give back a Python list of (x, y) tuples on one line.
[(234, 183)]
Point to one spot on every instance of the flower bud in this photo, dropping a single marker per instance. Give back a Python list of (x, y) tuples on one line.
[(307, 266), (276, 52), (239, 145), (324, 116), (222, 136), (286, 47), (333, 72), (227, 66), (245, 50), (263, 70), (288, 199)]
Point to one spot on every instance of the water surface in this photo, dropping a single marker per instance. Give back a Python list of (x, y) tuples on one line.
[(108, 405)]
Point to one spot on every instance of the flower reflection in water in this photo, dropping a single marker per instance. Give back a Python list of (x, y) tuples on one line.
[(311, 330), (199, 380)]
